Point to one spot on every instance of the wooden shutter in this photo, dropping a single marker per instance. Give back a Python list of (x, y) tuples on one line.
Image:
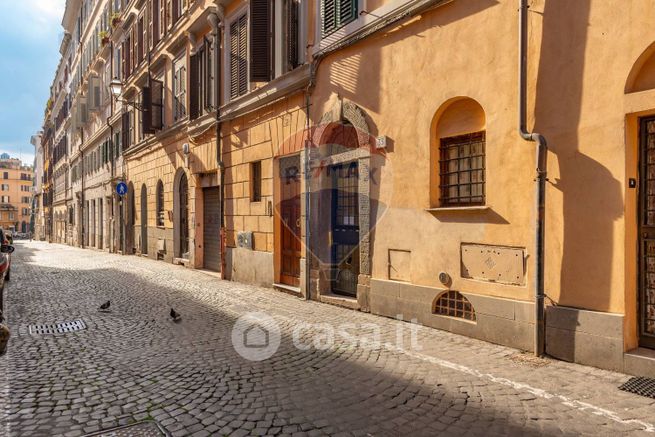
[(169, 21), (155, 21), (125, 130), (135, 46), (157, 98), (329, 15), (261, 17), (146, 113), (208, 76), (127, 56), (176, 10), (140, 45), (243, 55), (292, 34), (123, 61), (162, 18), (347, 11), (234, 59), (194, 86)]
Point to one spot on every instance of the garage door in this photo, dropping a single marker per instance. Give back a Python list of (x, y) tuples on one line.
[(212, 228)]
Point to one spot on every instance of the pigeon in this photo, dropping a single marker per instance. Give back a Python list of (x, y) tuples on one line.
[(175, 316), (105, 306)]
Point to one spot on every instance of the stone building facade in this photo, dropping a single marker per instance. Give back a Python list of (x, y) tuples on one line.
[(16, 180), (367, 153)]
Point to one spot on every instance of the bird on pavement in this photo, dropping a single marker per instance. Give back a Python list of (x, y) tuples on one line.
[(105, 306), (175, 316)]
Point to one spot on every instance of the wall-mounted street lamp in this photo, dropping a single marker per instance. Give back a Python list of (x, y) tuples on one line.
[(116, 89)]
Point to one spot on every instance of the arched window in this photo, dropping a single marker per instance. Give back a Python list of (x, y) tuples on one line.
[(458, 155), (160, 204)]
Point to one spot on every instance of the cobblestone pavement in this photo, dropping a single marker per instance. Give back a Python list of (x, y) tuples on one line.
[(133, 364)]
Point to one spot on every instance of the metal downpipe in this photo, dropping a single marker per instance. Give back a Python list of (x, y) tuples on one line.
[(540, 188), (216, 22)]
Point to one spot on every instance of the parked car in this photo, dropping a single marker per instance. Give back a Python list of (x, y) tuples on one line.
[(6, 250)]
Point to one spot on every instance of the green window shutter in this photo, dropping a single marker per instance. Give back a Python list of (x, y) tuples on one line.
[(329, 15), (337, 13), (347, 11)]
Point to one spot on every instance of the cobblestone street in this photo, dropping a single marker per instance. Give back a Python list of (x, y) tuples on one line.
[(133, 364)]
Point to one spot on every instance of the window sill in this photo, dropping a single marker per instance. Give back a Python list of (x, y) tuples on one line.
[(446, 209)]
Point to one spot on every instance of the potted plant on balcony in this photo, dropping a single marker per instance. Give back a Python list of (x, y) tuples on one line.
[(115, 19), (104, 37)]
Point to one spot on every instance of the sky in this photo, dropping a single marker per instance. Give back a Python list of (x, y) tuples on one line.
[(30, 35)]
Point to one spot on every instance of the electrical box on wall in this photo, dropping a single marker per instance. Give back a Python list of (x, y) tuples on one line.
[(245, 240)]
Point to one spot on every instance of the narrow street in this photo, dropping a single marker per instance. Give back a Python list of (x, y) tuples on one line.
[(133, 364)]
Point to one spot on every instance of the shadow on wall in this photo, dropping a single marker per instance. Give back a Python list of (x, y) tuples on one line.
[(591, 196), (352, 74)]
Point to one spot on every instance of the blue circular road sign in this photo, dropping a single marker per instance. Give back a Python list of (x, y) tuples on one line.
[(121, 188)]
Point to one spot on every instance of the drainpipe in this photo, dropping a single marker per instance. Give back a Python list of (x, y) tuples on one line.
[(308, 198), (541, 156), (216, 21), (113, 153)]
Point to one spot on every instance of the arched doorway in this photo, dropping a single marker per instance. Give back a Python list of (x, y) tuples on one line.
[(144, 220), (183, 216)]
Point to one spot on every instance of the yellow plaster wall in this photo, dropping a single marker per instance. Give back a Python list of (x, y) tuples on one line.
[(581, 54), (260, 136)]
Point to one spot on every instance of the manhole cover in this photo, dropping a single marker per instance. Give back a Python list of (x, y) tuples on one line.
[(143, 429), (641, 386), (58, 328)]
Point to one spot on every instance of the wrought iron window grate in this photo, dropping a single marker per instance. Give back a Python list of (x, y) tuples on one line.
[(640, 386), (462, 168), (453, 304), (57, 328)]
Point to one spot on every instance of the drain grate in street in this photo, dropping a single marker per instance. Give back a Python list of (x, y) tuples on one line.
[(58, 328), (142, 429), (641, 386)]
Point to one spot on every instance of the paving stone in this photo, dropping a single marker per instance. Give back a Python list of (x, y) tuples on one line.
[(133, 364)]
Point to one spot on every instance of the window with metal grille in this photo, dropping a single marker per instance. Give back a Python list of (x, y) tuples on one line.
[(160, 204), (453, 304), (462, 161), (256, 181)]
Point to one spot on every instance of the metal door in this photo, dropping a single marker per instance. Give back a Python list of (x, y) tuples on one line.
[(647, 234), (345, 228), (290, 217), (212, 228), (144, 219), (184, 217)]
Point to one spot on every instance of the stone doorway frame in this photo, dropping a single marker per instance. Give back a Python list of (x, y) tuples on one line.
[(346, 111)]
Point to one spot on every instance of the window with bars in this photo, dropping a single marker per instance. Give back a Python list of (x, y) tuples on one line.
[(256, 181), (337, 13), (239, 56), (160, 204), (453, 304), (462, 170)]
